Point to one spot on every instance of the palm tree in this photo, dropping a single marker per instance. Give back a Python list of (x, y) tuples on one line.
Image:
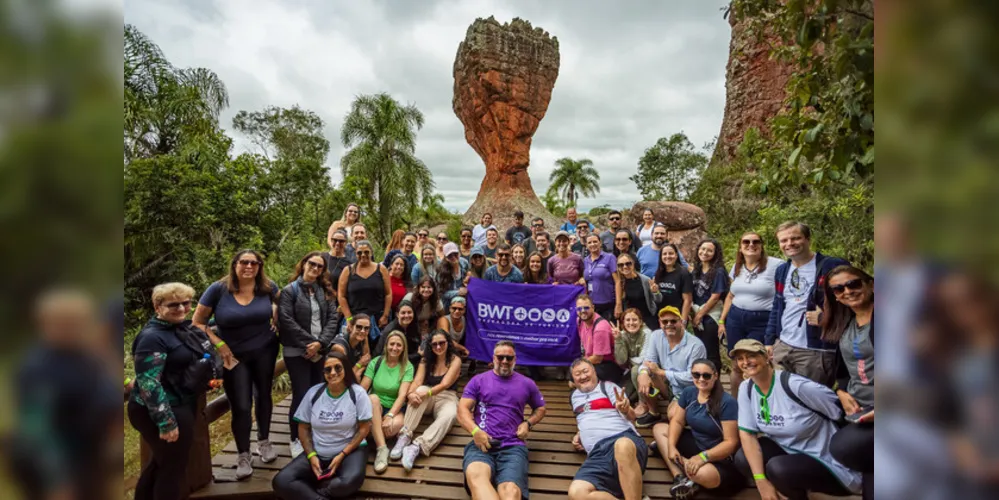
[(166, 107), (381, 135), (574, 176)]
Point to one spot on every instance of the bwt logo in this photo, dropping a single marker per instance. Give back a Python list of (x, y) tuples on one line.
[(534, 314)]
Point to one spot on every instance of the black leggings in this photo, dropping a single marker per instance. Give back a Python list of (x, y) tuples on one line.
[(709, 335), (304, 374), (794, 475), (254, 373), (164, 477), (297, 481), (853, 446), (732, 481), (606, 311)]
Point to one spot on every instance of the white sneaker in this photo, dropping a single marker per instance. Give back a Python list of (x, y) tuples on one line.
[(409, 454), (401, 442), (296, 448)]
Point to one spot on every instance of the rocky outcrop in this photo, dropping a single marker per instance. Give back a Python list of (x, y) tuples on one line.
[(503, 80), (755, 86), (686, 224)]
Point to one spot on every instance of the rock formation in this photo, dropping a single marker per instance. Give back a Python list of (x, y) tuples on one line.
[(754, 89), (503, 80), (686, 224)]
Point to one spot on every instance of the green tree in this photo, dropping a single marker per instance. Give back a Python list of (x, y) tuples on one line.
[(381, 135), (670, 169), (554, 202), (572, 177), (166, 107)]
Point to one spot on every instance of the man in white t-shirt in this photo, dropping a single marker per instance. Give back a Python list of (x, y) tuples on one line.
[(793, 337), (479, 231), (616, 453)]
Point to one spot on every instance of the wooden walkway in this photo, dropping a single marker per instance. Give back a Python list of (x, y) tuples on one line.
[(553, 462)]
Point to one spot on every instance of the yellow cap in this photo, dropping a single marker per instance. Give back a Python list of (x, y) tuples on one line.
[(669, 310)]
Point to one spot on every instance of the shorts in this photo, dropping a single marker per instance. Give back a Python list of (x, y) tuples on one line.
[(509, 465), (742, 324), (600, 467)]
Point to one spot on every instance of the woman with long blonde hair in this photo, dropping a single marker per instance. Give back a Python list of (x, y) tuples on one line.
[(387, 379)]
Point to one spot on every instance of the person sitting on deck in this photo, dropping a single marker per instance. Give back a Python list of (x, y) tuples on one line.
[(616, 455), (333, 421), (492, 410), (354, 345), (701, 456), (668, 357), (388, 378), (433, 389)]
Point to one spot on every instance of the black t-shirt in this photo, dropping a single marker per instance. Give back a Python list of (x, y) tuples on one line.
[(673, 285), (354, 352), (335, 267), (518, 234), (245, 329)]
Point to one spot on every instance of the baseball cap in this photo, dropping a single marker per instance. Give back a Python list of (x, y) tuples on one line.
[(669, 310), (562, 234), (749, 346), (477, 251), (450, 248)]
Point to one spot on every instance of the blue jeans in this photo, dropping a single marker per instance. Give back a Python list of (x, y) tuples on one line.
[(509, 465), (742, 324)]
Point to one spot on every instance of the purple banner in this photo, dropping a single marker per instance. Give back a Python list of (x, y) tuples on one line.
[(539, 319)]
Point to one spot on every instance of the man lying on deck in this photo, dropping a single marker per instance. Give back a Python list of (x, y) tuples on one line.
[(496, 460), (616, 454)]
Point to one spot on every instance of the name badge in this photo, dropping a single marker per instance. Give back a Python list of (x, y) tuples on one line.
[(589, 287)]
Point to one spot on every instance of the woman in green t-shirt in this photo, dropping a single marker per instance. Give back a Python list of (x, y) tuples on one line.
[(387, 379)]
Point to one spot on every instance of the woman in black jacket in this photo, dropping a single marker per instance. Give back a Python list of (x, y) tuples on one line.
[(307, 320), (174, 363)]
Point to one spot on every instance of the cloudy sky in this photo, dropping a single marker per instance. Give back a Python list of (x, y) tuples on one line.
[(631, 72)]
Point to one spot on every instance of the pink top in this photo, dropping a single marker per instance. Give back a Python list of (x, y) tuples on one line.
[(596, 338)]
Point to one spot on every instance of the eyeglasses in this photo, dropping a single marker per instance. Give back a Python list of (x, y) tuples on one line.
[(504, 358), (703, 376), (582, 308), (669, 321), (363, 253), (750, 243), (625, 264), (335, 368), (314, 265), (184, 304), (362, 328), (438, 344), (249, 263), (855, 284)]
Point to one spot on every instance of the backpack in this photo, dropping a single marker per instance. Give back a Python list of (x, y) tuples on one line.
[(785, 384), (378, 364), (319, 394), (603, 390), (582, 348)]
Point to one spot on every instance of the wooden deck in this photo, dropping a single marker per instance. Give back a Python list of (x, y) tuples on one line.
[(553, 462)]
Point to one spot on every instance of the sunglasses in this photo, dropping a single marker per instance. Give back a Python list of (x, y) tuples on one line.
[(669, 321), (504, 358), (855, 284), (622, 239), (438, 344), (464, 236), (339, 241), (795, 280), (625, 264), (364, 253), (178, 305), (362, 328), (249, 263), (749, 243), (582, 308), (423, 235), (442, 238), (313, 265), (614, 218), (537, 225), (458, 309), (335, 368), (703, 376), (501, 255)]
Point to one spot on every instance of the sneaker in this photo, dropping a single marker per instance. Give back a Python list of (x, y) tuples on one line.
[(684, 488), (296, 448), (409, 454), (266, 451), (647, 420), (653, 448), (243, 467), (381, 459), (401, 442)]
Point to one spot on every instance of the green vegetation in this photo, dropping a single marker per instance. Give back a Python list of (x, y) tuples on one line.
[(572, 178), (670, 169)]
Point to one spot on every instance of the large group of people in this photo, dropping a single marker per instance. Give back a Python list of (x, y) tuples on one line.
[(372, 346)]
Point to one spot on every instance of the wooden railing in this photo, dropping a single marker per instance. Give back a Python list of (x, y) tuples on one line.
[(199, 465)]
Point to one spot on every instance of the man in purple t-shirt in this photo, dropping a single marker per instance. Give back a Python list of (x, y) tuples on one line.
[(496, 460)]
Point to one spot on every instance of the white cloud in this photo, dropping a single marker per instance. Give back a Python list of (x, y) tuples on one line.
[(630, 73)]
